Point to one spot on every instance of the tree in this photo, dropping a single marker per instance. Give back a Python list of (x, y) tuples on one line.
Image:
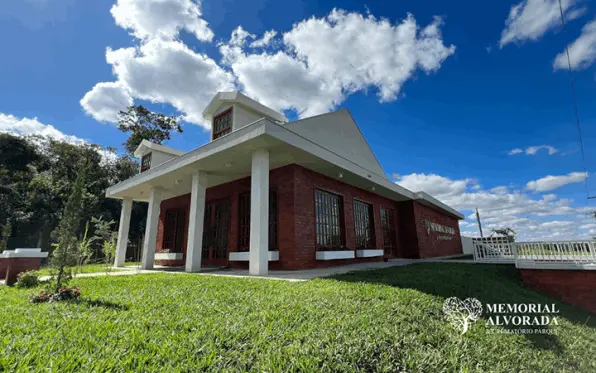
[(4, 236), (505, 232), (145, 125), (66, 247)]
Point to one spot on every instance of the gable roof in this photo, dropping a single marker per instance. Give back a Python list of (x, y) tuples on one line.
[(238, 98), (146, 144), (339, 133)]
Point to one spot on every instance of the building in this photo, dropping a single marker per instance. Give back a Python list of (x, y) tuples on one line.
[(266, 193)]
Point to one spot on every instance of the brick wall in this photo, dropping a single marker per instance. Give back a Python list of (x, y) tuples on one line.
[(306, 181), (295, 188), (574, 287), (429, 244), (14, 266)]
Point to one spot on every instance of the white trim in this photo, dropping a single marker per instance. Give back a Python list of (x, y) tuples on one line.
[(222, 98), (369, 253), (333, 255), (243, 256), (266, 126), (168, 256), (24, 253), (230, 140), (157, 147), (530, 264)]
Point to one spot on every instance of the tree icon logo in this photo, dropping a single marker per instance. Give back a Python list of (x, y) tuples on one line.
[(462, 314)]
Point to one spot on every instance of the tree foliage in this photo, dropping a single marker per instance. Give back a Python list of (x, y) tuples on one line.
[(67, 245), (145, 125), (37, 177)]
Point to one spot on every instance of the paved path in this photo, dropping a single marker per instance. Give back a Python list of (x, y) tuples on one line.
[(301, 275)]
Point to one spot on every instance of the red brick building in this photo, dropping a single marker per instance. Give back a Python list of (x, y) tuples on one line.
[(265, 193)]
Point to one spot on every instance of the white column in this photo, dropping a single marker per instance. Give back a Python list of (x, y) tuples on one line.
[(151, 229), (194, 246), (122, 242), (259, 213)]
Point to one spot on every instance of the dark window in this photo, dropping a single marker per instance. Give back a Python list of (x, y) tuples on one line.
[(244, 220), (388, 227), (222, 124), (174, 227), (363, 222), (215, 231), (244, 217), (329, 213), (146, 162)]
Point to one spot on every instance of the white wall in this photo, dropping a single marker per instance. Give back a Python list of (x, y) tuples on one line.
[(338, 133), (244, 116), (467, 245)]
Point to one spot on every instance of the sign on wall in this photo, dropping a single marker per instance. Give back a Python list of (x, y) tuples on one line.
[(434, 227)]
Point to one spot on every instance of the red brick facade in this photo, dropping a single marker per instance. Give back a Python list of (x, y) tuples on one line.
[(294, 187), (11, 267), (574, 287)]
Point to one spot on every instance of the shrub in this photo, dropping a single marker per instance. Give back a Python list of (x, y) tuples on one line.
[(27, 279)]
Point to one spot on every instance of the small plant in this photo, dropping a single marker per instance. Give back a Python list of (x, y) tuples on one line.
[(85, 250), (105, 234), (62, 294), (27, 279)]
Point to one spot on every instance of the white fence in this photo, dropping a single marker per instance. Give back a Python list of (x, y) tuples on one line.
[(552, 254), (493, 250)]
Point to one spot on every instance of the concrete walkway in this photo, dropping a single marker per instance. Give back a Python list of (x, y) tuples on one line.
[(301, 275)]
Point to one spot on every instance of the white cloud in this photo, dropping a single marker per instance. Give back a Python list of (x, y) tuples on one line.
[(531, 19), (169, 72), (553, 182), (318, 64), (502, 207), (161, 18), (28, 126), (582, 52), (265, 40), (32, 126), (532, 150), (106, 100), (326, 59)]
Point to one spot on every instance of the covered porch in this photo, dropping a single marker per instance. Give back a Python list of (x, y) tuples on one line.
[(249, 154)]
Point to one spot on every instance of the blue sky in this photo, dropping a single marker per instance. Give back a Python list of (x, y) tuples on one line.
[(442, 101)]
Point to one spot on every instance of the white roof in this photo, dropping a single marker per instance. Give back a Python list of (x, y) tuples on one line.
[(238, 98), (287, 147), (146, 144)]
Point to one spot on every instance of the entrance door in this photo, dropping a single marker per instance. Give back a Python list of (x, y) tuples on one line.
[(174, 229), (215, 233)]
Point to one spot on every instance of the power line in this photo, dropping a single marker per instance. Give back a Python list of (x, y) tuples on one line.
[(579, 129)]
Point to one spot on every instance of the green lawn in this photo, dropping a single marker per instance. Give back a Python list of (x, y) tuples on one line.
[(88, 268), (376, 321)]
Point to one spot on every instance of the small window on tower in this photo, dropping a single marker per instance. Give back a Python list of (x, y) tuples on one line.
[(146, 162), (222, 124)]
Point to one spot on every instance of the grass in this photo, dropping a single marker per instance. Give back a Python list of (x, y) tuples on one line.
[(386, 320), (87, 268)]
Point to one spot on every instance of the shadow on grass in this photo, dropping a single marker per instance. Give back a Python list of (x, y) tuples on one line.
[(490, 284), (102, 303)]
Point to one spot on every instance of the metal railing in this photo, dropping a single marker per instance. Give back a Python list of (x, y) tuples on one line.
[(540, 254), (493, 250), (555, 254)]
